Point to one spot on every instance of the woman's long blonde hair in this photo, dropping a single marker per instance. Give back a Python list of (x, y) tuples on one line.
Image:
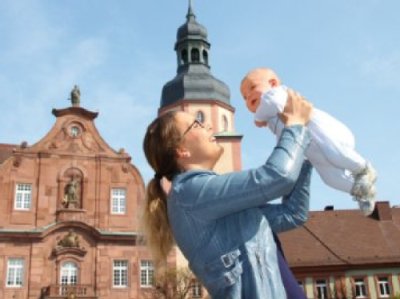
[(159, 145)]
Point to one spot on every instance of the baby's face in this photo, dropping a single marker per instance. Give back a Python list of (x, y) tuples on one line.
[(252, 89)]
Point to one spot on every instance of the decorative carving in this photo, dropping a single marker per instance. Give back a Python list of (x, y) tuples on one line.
[(70, 240), (74, 147), (67, 245), (90, 143), (72, 194), (71, 296), (77, 136), (58, 140), (53, 145), (125, 168), (17, 161)]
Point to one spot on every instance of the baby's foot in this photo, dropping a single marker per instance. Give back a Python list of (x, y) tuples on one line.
[(366, 205), (364, 181)]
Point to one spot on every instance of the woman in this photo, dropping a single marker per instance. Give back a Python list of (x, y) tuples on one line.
[(223, 223)]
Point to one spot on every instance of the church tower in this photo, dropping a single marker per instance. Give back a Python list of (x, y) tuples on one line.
[(195, 90)]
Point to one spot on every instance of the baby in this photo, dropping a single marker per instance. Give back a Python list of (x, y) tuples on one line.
[(332, 148)]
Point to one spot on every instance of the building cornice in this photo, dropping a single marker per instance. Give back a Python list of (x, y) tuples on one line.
[(79, 111), (36, 235)]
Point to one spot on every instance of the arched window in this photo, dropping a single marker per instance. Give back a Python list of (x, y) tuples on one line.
[(69, 274), (68, 277), (225, 123), (200, 116), (195, 55), (184, 56), (205, 56)]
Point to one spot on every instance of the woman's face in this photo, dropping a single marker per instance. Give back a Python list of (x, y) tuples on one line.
[(198, 145)]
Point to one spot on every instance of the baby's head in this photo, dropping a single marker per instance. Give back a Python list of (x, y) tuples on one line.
[(255, 84)]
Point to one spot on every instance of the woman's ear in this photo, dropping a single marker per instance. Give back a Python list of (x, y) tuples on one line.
[(182, 152)]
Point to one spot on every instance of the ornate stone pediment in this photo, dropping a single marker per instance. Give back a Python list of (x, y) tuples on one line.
[(75, 133), (74, 138), (69, 244)]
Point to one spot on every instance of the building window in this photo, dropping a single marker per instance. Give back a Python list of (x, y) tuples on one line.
[(200, 116), (120, 274), (23, 196), (68, 277), (75, 131), (360, 288), (184, 56), (118, 200), (196, 289), (322, 289), (69, 274), (205, 57), (146, 273), (195, 55), (383, 287), (225, 123), (15, 272)]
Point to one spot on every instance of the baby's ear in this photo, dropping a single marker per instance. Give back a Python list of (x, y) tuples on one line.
[(273, 82)]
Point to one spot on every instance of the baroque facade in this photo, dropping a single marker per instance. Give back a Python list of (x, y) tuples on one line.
[(68, 225)]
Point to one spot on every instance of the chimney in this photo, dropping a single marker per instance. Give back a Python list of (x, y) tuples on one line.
[(382, 211)]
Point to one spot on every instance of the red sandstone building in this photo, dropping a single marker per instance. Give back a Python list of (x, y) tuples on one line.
[(68, 215)]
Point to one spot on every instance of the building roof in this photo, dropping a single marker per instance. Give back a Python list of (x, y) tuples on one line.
[(345, 238), (191, 28), (6, 151), (194, 80)]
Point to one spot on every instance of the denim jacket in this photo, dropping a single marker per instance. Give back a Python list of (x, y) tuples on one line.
[(223, 223)]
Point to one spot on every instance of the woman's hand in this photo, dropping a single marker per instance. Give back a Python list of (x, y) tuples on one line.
[(297, 110)]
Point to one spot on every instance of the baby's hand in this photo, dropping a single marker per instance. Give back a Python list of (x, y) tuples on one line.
[(260, 124)]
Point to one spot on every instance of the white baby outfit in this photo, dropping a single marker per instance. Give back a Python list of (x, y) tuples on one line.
[(332, 148)]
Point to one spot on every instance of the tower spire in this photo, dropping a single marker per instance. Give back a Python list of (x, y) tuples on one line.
[(190, 13), (194, 80)]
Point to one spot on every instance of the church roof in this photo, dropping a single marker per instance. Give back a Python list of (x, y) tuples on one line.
[(194, 80), (191, 29)]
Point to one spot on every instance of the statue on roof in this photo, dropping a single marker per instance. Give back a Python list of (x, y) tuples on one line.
[(75, 96)]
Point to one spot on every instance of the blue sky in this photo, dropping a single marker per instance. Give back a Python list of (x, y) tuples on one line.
[(343, 55)]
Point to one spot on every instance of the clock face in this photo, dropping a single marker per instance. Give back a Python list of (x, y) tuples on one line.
[(75, 131)]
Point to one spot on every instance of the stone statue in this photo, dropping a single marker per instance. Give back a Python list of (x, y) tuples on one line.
[(70, 240), (75, 96), (71, 194)]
